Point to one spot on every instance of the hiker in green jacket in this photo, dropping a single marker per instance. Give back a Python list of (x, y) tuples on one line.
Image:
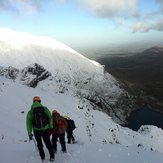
[(39, 120)]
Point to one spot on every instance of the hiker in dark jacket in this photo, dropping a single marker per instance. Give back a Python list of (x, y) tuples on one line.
[(59, 129), (39, 120), (70, 127)]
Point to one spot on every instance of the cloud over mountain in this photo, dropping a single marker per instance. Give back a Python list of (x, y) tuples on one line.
[(145, 27)]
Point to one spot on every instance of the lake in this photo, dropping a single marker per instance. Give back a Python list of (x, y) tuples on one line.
[(145, 116)]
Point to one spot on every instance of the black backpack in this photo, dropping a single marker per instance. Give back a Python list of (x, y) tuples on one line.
[(71, 124), (40, 119)]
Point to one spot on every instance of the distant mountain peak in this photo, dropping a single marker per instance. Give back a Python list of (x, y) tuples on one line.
[(154, 49)]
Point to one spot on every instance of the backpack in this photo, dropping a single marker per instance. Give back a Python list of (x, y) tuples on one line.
[(71, 124), (59, 125), (40, 119)]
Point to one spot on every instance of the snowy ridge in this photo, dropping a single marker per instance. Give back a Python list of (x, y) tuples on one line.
[(21, 39), (30, 48), (99, 138)]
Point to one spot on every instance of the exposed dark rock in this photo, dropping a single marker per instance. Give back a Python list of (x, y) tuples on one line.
[(9, 72), (34, 74)]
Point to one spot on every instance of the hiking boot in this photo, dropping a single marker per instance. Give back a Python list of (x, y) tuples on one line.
[(73, 141), (51, 160), (69, 142), (64, 151)]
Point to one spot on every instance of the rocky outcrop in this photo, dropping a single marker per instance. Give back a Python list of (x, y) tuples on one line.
[(30, 75), (33, 74), (9, 72)]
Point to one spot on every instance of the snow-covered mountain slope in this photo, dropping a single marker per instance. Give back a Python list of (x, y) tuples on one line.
[(48, 64), (22, 49), (99, 138)]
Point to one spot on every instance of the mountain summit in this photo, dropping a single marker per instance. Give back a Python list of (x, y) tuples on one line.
[(153, 50), (48, 64)]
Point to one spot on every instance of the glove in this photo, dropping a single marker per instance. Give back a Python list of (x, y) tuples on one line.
[(30, 136)]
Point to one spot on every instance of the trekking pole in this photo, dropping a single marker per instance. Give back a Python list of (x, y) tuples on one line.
[(34, 141)]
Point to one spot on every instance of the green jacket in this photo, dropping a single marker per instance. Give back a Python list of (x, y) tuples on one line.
[(29, 118)]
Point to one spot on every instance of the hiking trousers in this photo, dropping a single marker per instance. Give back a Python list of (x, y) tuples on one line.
[(70, 136), (43, 135), (61, 140)]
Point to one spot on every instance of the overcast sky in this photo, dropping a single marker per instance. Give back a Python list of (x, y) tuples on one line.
[(87, 23)]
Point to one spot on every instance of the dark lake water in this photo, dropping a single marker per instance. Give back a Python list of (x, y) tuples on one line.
[(145, 116)]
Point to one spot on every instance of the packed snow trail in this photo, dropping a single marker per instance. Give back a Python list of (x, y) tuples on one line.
[(25, 152)]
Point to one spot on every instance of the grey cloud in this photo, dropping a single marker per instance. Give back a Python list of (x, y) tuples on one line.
[(141, 27), (159, 26), (22, 5), (7, 5), (101, 8), (27, 6), (159, 1), (105, 8), (146, 27), (150, 21)]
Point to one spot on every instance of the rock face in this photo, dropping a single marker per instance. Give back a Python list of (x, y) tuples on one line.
[(9, 72), (30, 75), (47, 64), (33, 74)]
